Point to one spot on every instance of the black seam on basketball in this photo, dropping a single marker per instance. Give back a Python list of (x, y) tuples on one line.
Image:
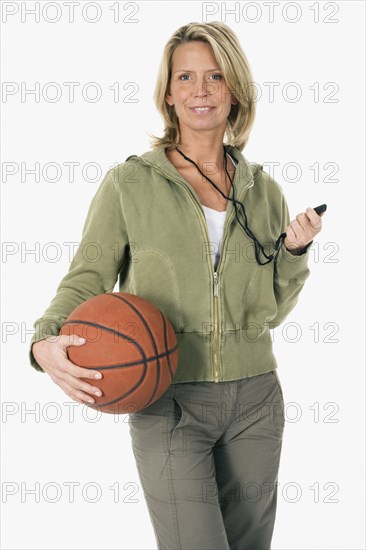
[(122, 396), (108, 329), (143, 359), (139, 362), (151, 337)]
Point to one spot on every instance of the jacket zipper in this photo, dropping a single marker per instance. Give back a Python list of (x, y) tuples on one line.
[(215, 274), (215, 343)]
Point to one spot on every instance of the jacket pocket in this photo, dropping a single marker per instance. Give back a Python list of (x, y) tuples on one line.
[(154, 278)]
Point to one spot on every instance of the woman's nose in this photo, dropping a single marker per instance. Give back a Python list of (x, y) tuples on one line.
[(202, 88)]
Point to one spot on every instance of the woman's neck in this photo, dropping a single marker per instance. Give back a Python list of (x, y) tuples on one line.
[(207, 159)]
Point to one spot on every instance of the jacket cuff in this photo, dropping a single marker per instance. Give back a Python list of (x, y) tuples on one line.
[(292, 266)]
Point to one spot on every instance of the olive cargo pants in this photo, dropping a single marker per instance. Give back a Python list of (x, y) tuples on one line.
[(207, 456)]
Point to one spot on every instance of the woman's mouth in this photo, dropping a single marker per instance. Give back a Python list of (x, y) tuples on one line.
[(202, 110)]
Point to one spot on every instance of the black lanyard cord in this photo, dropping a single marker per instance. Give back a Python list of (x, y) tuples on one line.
[(257, 244)]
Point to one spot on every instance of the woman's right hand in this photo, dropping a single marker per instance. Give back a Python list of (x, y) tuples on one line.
[(51, 355)]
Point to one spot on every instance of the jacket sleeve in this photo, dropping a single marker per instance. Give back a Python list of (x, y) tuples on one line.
[(96, 263), (290, 274)]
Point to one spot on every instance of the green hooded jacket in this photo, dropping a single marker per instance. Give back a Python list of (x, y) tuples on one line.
[(146, 226)]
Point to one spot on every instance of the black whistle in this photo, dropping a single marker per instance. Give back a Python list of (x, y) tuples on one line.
[(320, 209)]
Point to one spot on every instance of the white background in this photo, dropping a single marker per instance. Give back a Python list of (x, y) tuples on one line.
[(322, 463)]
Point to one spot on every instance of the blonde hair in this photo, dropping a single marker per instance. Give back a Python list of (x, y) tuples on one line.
[(237, 74)]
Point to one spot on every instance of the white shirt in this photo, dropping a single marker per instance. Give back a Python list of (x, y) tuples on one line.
[(215, 224)]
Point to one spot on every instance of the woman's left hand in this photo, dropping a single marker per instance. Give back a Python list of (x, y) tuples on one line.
[(302, 231)]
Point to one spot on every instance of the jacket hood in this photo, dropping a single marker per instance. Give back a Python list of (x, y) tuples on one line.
[(157, 159)]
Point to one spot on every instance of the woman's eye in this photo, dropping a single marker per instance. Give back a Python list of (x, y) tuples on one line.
[(220, 77)]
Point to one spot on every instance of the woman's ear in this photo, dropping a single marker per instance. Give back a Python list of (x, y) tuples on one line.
[(169, 99)]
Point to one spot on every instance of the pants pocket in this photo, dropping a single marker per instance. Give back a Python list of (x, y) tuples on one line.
[(279, 406), (279, 386), (180, 418)]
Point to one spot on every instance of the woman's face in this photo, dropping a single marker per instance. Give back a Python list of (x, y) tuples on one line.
[(197, 81)]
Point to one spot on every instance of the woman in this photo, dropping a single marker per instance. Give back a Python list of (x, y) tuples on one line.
[(208, 450)]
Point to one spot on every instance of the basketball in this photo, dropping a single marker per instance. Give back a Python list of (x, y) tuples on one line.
[(133, 345)]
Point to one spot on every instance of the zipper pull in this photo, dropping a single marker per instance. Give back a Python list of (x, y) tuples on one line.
[(216, 283)]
